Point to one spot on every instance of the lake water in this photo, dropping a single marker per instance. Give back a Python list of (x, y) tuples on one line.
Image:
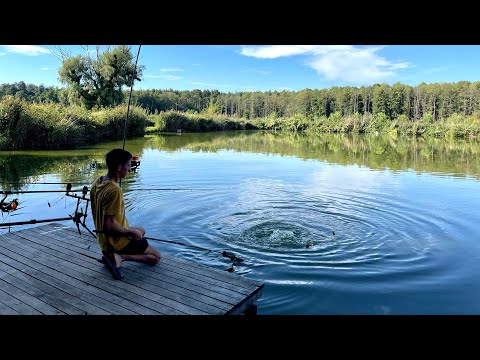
[(333, 224)]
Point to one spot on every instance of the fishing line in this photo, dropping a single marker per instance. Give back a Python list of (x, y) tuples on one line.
[(226, 254)]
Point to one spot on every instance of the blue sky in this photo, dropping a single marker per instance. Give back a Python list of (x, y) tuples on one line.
[(231, 68)]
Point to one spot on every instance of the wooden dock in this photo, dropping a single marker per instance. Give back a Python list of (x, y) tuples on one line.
[(52, 270)]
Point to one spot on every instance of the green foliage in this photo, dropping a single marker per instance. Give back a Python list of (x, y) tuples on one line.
[(272, 121), (212, 109), (379, 123), (381, 100), (333, 123), (156, 123), (110, 122), (427, 117), (53, 126), (173, 121), (97, 82)]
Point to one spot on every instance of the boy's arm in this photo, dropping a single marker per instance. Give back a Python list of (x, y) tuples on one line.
[(110, 225)]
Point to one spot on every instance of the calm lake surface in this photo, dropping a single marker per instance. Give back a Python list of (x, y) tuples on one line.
[(333, 224)]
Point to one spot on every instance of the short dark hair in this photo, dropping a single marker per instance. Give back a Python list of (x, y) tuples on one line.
[(116, 157)]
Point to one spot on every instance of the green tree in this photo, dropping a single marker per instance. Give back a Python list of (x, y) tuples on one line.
[(98, 81), (381, 97)]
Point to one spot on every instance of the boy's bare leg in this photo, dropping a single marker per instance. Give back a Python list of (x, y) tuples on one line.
[(150, 256)]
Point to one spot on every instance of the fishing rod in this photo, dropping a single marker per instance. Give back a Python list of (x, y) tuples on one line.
[(10, 192), (166, 189), (130, 97), (89, 182), (226, 254), (135, 158), (76, 217), (43, 183), (33, 221)]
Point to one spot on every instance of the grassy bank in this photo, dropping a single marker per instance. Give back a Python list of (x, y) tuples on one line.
[(454, 126), (26, 125)]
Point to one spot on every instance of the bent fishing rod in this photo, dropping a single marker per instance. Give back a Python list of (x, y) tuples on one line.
[(224, 253), (14, 192)]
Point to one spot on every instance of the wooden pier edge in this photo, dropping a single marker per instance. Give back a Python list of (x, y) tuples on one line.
[(52, 269)]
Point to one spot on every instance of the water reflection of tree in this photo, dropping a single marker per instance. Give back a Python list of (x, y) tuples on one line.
[(29, 169), (81, 165), (376, 152)]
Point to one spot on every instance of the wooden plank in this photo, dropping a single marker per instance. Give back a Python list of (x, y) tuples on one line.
[(16, 304), (115, 286), (199, 272), (28, 299), (225, 276), (168, 283), (245, 303), (7, 310), (54, 296), (204, 276), (127, 299), (239, 281), (60, 281), (49, 265), (184, 307), (58, 305), (252, 296), (188, 282), (224, 291), (180, 281), (106, 282)]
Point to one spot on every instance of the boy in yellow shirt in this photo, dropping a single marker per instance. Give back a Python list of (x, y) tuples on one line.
[(119, 241)]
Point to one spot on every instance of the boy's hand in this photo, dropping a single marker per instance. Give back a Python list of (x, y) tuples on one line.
[(136, 235)]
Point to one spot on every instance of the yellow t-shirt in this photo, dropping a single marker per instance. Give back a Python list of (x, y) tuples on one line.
[(107, 199)]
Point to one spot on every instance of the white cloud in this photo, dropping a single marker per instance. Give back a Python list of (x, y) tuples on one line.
[(171, 69), (275, 51), (30, 50), (337, 62), (2, 53), (166, 77), (44, 69), (208, 84)]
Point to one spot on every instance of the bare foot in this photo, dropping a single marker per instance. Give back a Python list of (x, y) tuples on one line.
[(151, 259), (118, 259)]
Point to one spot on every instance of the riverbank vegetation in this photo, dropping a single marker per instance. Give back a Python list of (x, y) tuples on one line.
[(26, 125)]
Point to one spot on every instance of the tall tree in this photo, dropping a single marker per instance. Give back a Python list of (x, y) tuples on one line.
[(97, 80)]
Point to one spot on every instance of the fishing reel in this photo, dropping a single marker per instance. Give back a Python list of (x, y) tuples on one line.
[(135, 163), (10, 206)]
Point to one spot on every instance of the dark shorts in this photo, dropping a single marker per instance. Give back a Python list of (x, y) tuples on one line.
[(134, 247)]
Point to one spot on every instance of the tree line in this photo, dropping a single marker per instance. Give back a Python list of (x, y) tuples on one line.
[(436, 101)]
